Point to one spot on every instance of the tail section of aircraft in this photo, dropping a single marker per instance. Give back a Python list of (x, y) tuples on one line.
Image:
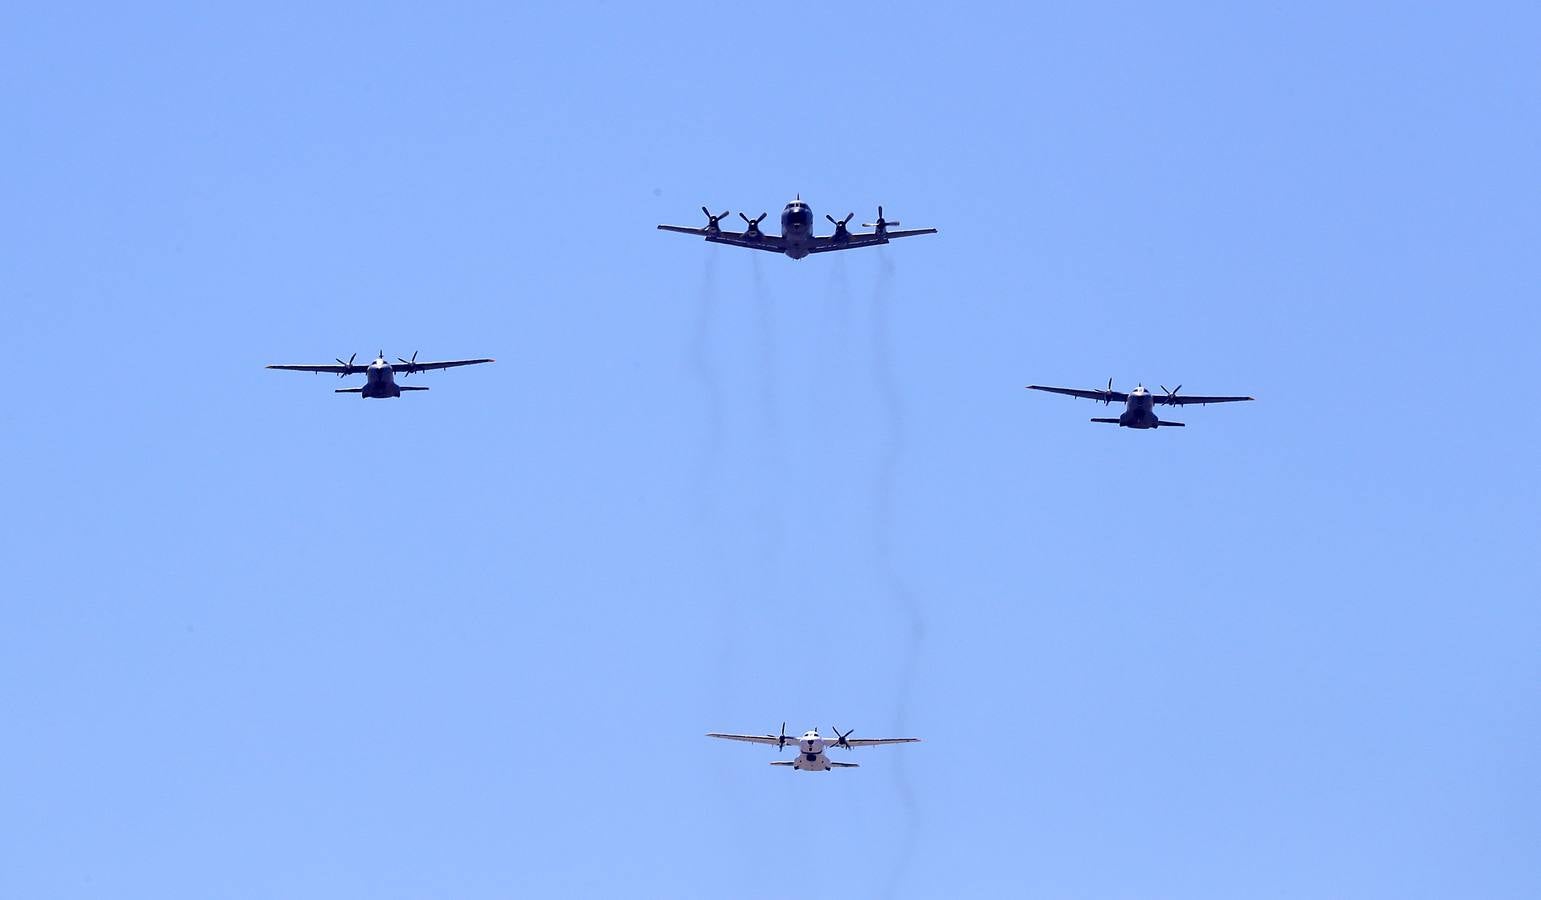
[(411, 387), (1106, 421)]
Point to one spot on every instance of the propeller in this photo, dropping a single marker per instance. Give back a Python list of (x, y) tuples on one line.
[(711, 220), (754, 224), (1109, 393), (1172, 394), (881, 224), (349, 364), (840, 229), (840, 739), (411, 364), (781, 742)]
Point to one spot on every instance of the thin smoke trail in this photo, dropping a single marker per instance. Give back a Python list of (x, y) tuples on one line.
[(770, 518), (833, 337), (765, 328), (904, 603), (704, 371)]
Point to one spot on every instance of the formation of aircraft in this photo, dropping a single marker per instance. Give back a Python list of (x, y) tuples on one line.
[(1139, 404), (380, 376), (797, 239), (810, 747)]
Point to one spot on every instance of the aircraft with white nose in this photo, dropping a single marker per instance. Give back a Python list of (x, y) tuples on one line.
[(811, 747), (380, 376), (1139, 404), (797, 239)]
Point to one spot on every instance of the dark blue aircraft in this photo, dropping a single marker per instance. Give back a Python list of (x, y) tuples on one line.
[(797, 239), (380, 376), (1139, 405)]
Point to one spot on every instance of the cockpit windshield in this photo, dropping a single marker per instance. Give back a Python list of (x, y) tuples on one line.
[(797, 215)]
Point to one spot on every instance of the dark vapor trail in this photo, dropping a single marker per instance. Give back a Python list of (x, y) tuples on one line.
[(904, 603), (769, 501), (765, 328), (704, 500), (703, 370), (834, 337)]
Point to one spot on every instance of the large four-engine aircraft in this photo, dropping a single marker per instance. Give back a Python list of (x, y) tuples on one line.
[(811, 747), (1139, 405), (797, 239), (380, 375)]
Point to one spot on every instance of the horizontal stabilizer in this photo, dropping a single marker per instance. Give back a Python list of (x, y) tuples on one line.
[(1164, 423), (783, 762), (412, 388), (845, 765), (1106, 421), (349, 391)]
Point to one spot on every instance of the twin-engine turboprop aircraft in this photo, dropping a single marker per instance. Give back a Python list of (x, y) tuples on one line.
[(1139, 404), (380, 375), (797, 239), (811, 747)]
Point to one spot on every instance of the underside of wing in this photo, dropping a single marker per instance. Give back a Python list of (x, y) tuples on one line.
[(770, 739), (407, 368), (878, 742), (837, 241), (1109, 396), (850, 242), (909, 232), (1185, 400), (330, 370), (771, 242)]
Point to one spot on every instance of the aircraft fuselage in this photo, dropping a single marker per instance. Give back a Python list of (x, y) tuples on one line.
[(380, 381), (1139, 410), (797, 229), (810, 754)]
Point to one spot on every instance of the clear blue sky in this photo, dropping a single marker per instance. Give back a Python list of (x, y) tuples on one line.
[(260, 640)]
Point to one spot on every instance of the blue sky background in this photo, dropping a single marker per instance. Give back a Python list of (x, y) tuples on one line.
[(261, 640)]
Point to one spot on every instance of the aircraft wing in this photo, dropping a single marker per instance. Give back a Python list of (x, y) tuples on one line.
[(331, 370), (1185, 400), (851, 242), (1108, 396), (771, 242), (876, 742), (407, 368), (770, 739)]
